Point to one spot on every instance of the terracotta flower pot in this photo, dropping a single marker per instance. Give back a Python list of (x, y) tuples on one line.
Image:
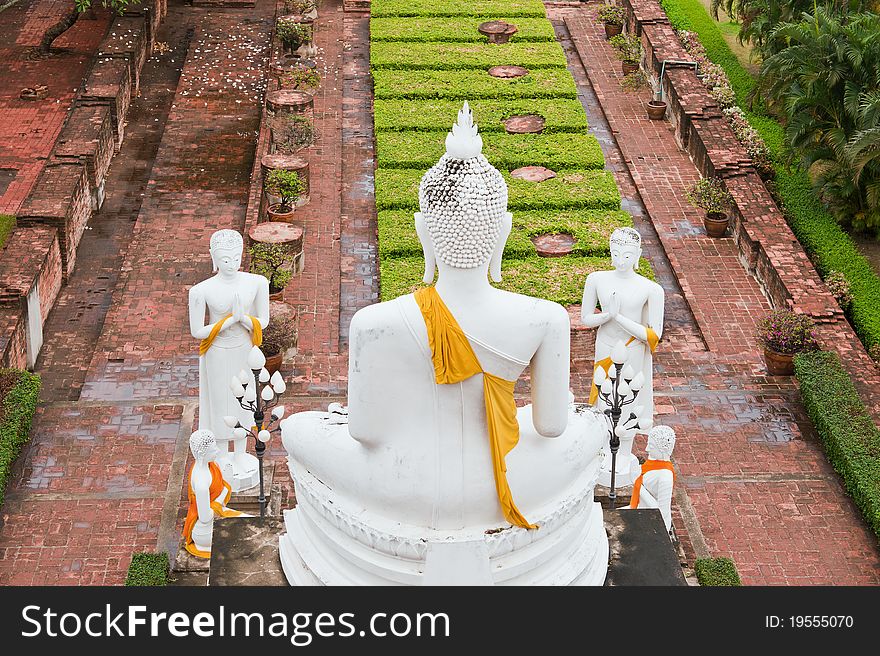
[(656, 110), (778, 364), (611, 29), (716, 223), (277, 212), (276, 296), (629, 67), (273, 362)]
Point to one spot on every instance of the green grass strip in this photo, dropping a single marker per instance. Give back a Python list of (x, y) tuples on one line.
[(850, 438), (458, 29), (560, 114), (148, 569), (7, 224), (828, 244), (491, 8), (463, 56), (473, 84), (591, 228), (17, 413), (399, 189), (716, 572), (421, 150)]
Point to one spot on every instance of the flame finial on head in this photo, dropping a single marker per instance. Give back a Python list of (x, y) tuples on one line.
[(464, 142)]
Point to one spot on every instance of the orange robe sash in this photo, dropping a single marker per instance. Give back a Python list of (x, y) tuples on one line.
[(648, 465), (454, 361), (256, 335), (606, 363), (192, 513)]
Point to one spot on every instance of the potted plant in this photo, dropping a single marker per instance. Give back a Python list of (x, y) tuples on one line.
[(275, 262), (784, 334), (301, 78), (307, 8), (629, 51), (279, 337), (710, 195), (291, 132), (612, 16), (293, 32), (289, 187)]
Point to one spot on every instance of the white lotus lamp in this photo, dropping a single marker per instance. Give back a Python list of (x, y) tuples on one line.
[(264, 436), (618, 353), (606, 387), (240, 432), (623, 389), (278, 412), (264, 375), (268, 393), (250, 393), (230, 421), (244, 376), (628, 371), (638, 382), (236, 387), (277, 382), (256, 359), (599, 376), (612, 372)]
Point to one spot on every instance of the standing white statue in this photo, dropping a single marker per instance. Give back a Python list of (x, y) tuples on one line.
[(208, 495), (632, 313), (434, 476), (237, 305), (653, 487)]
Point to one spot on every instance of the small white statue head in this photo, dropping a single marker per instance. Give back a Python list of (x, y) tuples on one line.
[(226, 251), (626, 249), (661, 442), (463, 222), (203, 445)]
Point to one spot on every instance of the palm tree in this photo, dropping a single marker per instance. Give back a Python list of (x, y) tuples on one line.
[(824, 78)]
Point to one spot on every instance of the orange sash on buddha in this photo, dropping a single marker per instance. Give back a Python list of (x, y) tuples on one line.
[(256, 336), (606, 363), (192, 514), (454, 361), (649, 465)]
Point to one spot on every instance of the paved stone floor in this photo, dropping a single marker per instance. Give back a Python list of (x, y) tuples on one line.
[(29, 128)]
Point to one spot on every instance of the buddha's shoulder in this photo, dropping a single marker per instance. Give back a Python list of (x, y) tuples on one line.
[(385, 315), (532, 307)]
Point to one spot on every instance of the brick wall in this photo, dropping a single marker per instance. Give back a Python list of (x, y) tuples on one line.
[(87, 136), (110, 81), (127, 40), (61, 199), (767, 246), (13, 336)]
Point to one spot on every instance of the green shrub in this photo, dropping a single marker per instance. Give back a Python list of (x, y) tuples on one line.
[(591, 228), (286, 184), (18, 407), (458, 29), (473, 84), (7, 225), (462, 56), (490, 8), (850, 438), (560, 114), (716, 572), (398, 189), (829, 246), (148, 569), (421, 150)]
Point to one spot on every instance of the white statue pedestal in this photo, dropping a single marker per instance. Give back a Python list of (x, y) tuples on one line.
[(240, 470), (331, 539)]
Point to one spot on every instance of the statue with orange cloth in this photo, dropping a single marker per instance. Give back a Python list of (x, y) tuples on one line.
[(653, 487), (632, 309), (228, 313), (208, 495)]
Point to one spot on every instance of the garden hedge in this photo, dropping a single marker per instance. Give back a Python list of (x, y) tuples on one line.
[(850, 438), (591, 228), (148, 569), (463, 56), (398, 189), (828, 244), (473, 84), (7, 224), (457, 29), (506, 152), (560, 114), (16, 413), (428, 8), (716, 572)]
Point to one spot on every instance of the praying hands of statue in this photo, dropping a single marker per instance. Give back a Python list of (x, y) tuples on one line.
[(591, 300)]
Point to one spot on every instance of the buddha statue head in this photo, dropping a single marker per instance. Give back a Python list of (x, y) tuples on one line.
[(661, 442), (463, 222), (203, 446), (226, 250), (626, 249)]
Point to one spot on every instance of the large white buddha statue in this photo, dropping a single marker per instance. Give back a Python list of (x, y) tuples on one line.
[(434, 476), (632, 314), (237, 307)]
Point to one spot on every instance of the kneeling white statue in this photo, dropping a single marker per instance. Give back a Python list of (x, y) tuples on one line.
[(653, 487), (433, 476)]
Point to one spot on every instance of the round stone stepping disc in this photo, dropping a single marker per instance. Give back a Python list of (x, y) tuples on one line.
[(525, 124), (554, 245), (533, 173), (497, 31), (507, 71)]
